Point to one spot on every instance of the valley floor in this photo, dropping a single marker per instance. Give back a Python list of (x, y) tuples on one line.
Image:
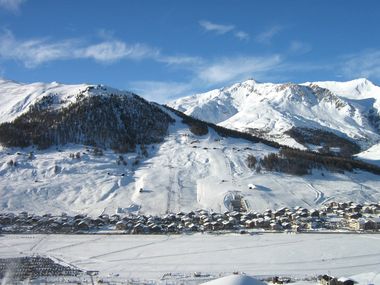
[(124, 257)]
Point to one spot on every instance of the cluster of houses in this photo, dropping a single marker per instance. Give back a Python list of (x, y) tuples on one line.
[(330, 280), (331, 216)]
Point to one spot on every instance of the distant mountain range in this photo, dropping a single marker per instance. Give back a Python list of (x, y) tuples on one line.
[(305, 116)]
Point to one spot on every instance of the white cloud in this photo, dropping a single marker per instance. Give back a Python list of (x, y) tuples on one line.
[(299, 47), (242, 35), (217, 28), (179, 59), (266, 36), (161, 91), (237, 68), (364, 64), (34, 52), (223, 29), (11, 5), (113, 50)]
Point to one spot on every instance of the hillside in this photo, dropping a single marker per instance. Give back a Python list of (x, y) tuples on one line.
[(95, 115), (192, 164), (339, 115)]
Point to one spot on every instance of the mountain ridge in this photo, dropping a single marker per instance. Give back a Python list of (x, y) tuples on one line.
[(272, 109)]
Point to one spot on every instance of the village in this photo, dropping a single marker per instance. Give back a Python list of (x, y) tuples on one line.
[(331, 217)]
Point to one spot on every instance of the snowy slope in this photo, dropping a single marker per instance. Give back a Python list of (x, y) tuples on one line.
[(272, 109), (183, 173), (371, 155), (16, 98)]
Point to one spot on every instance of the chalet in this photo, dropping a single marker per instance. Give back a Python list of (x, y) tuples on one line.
[(352, 215), (203, 213), (186, 220), (314, 213), (83, 226), (207, 226), (99, 222), (286, 226), (205, 220), (275, 227), (121, 225), (355, 208), (314, 224), (171, 228), (233, 220), (6, 220), (278, 213), (114, 219), (139, 229), (55, 227), (296, 228), (154, 228), (67, 227), (364, 224), (343, 205), (192, 227), (250, 224), (227, 225), (179, 215), (327, 280), (375, 223), (216, 225)]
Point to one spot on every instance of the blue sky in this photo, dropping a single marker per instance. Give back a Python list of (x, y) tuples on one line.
[(164, 49)]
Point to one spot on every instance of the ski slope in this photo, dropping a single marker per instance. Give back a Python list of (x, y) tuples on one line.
[(183, 173)]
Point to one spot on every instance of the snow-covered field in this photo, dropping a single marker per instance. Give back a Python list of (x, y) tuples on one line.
[(150, 257), (183, 173)]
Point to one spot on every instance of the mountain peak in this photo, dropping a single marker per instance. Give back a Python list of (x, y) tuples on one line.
[(251, 81)]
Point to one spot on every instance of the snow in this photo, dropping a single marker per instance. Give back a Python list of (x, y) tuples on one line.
[(371, 155), (183, 173), (235, 280), (275, 108), (16, 98), (354, 256)]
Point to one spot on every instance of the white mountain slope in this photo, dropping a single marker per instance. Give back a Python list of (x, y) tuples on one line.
[(16, 98), (344, 108), (184, 172)]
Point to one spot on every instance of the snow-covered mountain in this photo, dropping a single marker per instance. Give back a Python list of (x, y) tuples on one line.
[(191, 165), (283, 112), (55, 114)]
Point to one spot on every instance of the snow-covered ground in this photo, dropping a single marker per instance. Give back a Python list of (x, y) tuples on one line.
[(150, 257), (183, 173), (371, 155)]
